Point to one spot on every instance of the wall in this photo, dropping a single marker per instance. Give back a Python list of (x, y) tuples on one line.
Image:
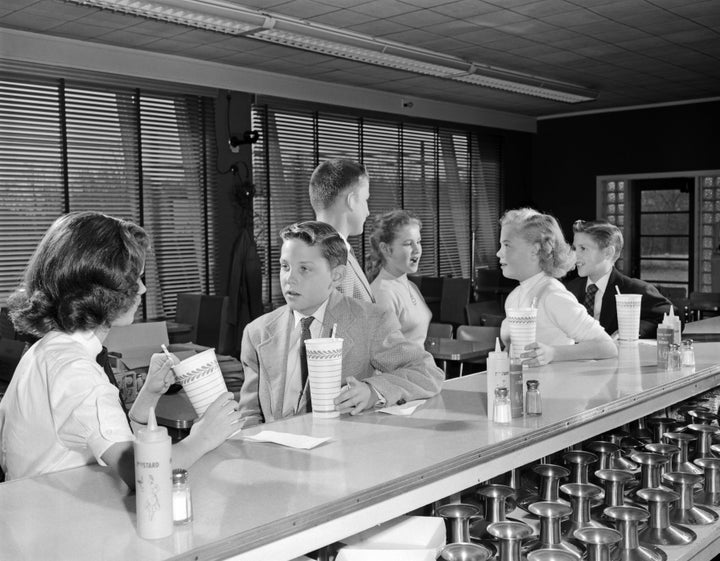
[(570, 152)]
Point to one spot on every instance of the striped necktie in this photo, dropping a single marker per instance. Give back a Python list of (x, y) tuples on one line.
[(590, 299), (305, 334)]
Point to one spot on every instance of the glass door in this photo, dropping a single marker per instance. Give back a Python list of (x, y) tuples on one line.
[(662, 246)]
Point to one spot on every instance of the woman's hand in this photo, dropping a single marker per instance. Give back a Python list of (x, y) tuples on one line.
[(160, 374), (220, 421), (355, 397), (538, 354)]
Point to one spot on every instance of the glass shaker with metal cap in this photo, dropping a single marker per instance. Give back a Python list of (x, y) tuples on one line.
[(181, 498), (533, 401), (502, 412)]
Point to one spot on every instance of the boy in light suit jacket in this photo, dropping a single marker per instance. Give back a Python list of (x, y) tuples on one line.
[(379, 366)]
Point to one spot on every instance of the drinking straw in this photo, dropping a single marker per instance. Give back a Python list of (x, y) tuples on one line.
[(617, 289), (167, 353), (534, 302), (334, 329)]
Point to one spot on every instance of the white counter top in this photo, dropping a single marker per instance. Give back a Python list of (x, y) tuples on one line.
[(263, 501)]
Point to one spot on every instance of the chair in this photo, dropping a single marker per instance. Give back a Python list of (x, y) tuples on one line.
[(480, 334), (440, 330), (10, 353), (431, 290), (207, 316), (492, 320), (455, 296), (475, 311), (704, 304)]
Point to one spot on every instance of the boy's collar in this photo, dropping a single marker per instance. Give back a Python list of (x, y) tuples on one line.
[(318, 314)]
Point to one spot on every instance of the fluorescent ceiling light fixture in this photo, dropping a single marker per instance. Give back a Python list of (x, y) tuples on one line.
[(231, 19)]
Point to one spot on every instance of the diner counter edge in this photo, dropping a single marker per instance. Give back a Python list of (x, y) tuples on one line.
[(263, 501)]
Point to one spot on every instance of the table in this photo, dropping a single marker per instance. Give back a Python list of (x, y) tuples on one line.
[(455, 350), (262, 501), (703, 330)]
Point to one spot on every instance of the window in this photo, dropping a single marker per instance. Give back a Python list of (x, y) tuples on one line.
[(450, 177), (671, 224), (134, 154)]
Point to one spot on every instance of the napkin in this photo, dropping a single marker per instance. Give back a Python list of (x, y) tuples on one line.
[(284, 439), (405, 409)]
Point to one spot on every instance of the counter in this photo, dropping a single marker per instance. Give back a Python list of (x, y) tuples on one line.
[(263, 501)]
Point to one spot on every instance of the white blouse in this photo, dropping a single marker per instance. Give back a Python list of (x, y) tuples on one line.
[(60, 411), (561, 319)]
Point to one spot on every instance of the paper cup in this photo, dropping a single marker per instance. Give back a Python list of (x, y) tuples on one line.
[(522, 322), (324, 357), (628, 316), (201, 378)]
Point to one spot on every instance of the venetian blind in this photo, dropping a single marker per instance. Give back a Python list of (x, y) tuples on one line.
[(139, 155), (450, 177)]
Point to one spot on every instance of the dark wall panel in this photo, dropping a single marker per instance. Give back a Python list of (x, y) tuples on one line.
[(570, 152)]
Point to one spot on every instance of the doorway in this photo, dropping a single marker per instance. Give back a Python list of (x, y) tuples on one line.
[(662, 248)]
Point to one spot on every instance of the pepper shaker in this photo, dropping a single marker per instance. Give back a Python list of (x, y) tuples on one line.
[(533, 401)]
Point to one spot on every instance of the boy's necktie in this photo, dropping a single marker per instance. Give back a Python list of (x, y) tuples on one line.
[(590, 299), (305, 325)]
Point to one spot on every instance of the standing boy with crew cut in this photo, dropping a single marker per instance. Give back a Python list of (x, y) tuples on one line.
[(598, 246), (379, 366), (339, 192)]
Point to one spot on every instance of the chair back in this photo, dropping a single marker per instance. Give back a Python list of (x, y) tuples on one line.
[(10, 353), (475, 311), (704, 304), (455, 296), (440, 330), (207, 315), (478, 333)]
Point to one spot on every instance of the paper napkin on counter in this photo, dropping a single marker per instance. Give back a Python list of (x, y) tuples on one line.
[(404, 409), (284, 439)]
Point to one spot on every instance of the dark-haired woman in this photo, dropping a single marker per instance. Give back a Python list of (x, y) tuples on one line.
[(61, 410)]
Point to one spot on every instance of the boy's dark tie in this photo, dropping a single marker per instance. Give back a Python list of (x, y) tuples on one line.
[(305, 325), (590, 299)]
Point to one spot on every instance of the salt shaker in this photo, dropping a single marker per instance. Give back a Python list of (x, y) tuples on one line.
[(688, 354), (533, 401), (501, 409), (181, 497), (674, 358)]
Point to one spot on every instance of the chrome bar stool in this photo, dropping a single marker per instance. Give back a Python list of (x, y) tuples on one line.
[(598, 542), (579, 462), (667, 450), (549, 487), (494, 497), (580, 496), (509, 536), (551, 515), (627, 521), (660, 531), (681, 461), (614, 481), (457, 518), (465, 552), (685, 511), (661, 425), (650, 466), (704, 435), (551, 555), (710, 493)]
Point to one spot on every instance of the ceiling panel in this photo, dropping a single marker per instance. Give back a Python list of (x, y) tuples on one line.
[(631, 51)]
